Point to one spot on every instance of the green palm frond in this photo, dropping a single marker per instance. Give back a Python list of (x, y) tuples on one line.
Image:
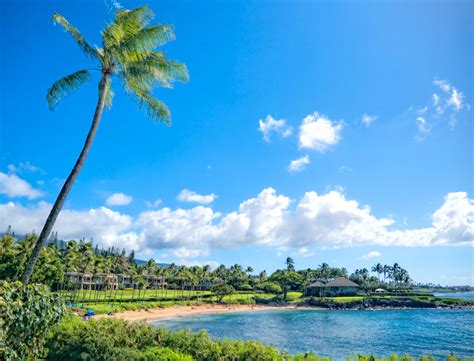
[(160, 68), (66, 86), (134, 20), (138, 46), (80, 40), (141, 93), (126, 24), (154, 108), (128, 52)]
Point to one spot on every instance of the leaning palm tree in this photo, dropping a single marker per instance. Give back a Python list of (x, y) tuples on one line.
[(127, 53)]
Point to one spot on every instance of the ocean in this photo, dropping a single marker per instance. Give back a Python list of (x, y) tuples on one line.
[(342, 333)]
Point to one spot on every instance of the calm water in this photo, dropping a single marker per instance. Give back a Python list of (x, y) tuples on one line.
[(342, 333), (463, 295)]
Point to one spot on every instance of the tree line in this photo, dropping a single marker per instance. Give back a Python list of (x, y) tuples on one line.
[(60, 257)]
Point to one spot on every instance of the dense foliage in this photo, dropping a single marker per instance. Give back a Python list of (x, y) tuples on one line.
[(26, 316), (112, 339), (72, 256)]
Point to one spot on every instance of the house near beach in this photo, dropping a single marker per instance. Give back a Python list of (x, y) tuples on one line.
[(340, 286)]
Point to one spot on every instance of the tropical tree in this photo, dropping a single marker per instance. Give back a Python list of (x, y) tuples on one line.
[(378, 268), (127, 53), (287, 280), (222, 290), (290, 264), (386, 272)]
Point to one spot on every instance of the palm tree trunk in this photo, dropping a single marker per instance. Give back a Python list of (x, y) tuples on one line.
[(58, 204)]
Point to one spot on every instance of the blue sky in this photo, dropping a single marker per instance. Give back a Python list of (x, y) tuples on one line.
[(371, 100)]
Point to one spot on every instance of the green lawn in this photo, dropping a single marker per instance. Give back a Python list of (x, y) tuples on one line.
[(128, 299), (130, 295), (294, 296)]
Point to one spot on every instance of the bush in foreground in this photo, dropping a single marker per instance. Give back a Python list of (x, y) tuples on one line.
[(113, 339), (26, 316)]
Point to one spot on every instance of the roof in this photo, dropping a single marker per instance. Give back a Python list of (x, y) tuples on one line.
[(341, 282), (337, 282)]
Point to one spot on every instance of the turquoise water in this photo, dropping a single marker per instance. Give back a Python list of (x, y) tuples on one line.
[(341, 333), (463, 295)]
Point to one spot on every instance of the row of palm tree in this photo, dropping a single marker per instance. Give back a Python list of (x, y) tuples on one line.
[(394, 274)]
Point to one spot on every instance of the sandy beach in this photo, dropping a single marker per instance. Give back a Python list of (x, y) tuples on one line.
[(155, 314)]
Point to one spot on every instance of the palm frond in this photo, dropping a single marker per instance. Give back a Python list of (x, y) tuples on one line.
[(66, 86), (154, 108), (138, 46), (126, 24), (141, 93), (155, 66), (80, 40), (134, 20)]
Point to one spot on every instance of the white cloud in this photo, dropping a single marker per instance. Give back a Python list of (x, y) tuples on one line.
[(456, 100), (367, 120), (25, 167), (189, 196), (119, 199), (189, 229), (304, 252), (454, 220), (423, 128), (330, 220), (370, 255), (13, 186), (153, 204), (446, 102), (442, 84), (319, 133), (192, 232), (345, 168), (452, 99), (105, 226), (271, 125), (318, 220), (299, 164)]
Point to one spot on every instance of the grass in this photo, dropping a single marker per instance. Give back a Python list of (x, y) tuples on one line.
[(294, 296), (102, 302), (346, 299), (130, 296)]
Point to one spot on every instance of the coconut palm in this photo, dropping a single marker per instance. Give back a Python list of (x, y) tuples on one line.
[(386, 272), (290, 264), (24, 249), (378, 268), (127, 53)]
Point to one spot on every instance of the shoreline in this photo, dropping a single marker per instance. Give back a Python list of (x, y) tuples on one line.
[(166, 313), (159, 314)]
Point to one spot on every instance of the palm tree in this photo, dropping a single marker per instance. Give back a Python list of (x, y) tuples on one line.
[(24, 249), (386, 272), (378, 268), (128, 53), (290, 264)]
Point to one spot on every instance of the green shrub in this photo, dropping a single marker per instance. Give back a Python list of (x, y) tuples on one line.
[(98, 339), (153, 354), (26, 316)]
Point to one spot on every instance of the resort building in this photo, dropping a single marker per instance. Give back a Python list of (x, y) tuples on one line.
[(109, 281), (339, 286)]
